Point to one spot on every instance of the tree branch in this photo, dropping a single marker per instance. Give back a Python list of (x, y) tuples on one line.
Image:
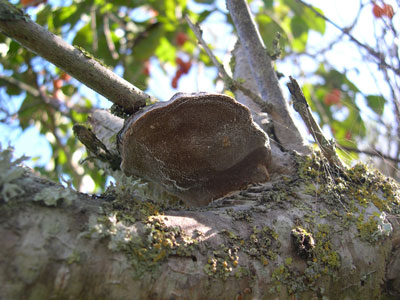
[(75, 62), (264, 74), (374, 153), (107, 34), (302, 107), (229, 81)]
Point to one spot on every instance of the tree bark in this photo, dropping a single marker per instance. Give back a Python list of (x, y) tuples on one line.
[(309, 234), (280, 241), (76, 62), (260, 65)]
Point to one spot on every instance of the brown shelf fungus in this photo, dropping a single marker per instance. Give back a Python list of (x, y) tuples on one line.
[(197, 146)]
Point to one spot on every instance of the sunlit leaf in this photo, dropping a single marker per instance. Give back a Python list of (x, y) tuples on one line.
[(166, 52), (313, 21), (269, 29), (376, 103)]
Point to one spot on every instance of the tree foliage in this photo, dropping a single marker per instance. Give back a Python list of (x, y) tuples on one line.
[(134, 38)]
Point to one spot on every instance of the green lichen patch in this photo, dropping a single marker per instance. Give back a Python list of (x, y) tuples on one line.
[(222, 263), (146, 245), (288, 277), (359, 196), (54, 195), (263, 244), (119, 111), (241, 215), (359, 184), (324, 252), (10, 170), (303, 242), (374, 227), (321, 258)]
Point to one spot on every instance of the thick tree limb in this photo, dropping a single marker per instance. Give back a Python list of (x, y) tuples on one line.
[(57, 243), (229, 81), (75, 62), (263, 72)]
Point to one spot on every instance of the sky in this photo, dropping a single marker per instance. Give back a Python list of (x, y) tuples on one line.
[(342, 12)]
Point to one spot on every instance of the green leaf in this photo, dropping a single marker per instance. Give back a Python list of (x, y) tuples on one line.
[(295, 6), (11, 89), (67, 14), (313, 21), (166, 52), (146, 46), (268, 4), (62, 158), (31, 108), (298, 26), (268, 30), (41, 17), (84, 37), (347, 156), (204, 15), (69, 89), (376, 103), (299, 29)]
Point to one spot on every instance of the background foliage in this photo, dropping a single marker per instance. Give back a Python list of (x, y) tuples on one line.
[(139, 39)]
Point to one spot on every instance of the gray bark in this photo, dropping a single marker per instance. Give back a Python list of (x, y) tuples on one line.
[(260, 66), (59, 244)]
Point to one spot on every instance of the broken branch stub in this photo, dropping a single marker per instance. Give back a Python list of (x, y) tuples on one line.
[(199, 147)]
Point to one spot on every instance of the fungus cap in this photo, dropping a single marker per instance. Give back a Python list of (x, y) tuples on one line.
[(198, 147)]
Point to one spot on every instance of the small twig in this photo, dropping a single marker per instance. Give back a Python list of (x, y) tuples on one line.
[(107, 33), (21, 85), (93, 27), (63, 108), (378, 55), (95, 146), (375, 153), (229, 81), (301, 106)]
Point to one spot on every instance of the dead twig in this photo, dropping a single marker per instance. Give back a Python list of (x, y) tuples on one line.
[(301, 106)]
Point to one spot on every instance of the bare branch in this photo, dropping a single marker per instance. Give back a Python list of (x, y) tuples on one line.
[(93, 27), (302, 107), (23, 86), (72, 60), (374, 153), (107, 34), (229, 81), (263, 72)]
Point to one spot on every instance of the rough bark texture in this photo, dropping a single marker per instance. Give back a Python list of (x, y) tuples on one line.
[(287, 238)]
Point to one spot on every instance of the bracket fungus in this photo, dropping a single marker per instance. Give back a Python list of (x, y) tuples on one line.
[(198, 147)]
